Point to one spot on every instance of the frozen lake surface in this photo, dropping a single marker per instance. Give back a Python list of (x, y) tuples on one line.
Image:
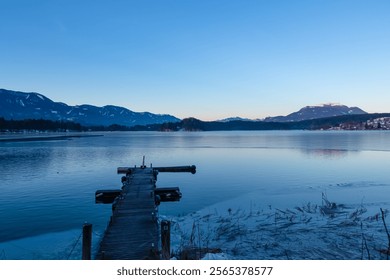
[(253, 184)]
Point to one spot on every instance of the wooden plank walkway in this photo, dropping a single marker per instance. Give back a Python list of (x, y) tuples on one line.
[(133, 232)]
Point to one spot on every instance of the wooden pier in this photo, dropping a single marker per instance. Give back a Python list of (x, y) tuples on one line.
[(133, 232)]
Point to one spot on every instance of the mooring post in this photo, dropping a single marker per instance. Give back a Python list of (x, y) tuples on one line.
[(165, 240), (87, 241)]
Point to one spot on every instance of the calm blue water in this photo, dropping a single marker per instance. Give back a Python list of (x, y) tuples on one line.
[(49, 186)]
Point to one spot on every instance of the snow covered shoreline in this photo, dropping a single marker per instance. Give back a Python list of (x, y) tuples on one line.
[(319, 228)]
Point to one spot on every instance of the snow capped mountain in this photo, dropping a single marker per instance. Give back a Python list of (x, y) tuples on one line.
[(317, 112), (235, 119), (21, 105)]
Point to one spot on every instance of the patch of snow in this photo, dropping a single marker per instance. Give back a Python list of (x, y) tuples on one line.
[(320, 228), (21, 103), (40, 96), (219, 256), (28, 96), (330, 104), (54, 112)]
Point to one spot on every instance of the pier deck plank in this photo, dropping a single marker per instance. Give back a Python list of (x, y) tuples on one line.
[(133, 231)]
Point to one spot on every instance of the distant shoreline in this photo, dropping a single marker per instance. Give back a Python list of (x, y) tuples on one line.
[(46, 138)]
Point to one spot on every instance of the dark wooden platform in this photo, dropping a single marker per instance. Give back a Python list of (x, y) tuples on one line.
[(133, 233)]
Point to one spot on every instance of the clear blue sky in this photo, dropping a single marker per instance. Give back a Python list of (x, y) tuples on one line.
[(208, 59)]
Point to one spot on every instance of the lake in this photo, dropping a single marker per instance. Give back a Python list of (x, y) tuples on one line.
[(47, 187)]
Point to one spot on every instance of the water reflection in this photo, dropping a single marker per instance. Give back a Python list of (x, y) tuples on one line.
[(22, 160), (326, 153)]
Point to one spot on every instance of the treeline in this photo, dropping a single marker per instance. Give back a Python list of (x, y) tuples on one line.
[(47, 125), (41, 125), (190, 124), (113, 127)]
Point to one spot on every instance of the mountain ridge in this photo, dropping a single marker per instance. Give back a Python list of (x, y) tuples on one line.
[(20, 105), (317, 112)]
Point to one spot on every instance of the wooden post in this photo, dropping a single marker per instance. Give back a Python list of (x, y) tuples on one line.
[(87, 241), (165, 240)]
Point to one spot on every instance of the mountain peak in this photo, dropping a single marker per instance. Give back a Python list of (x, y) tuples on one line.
[(231, 119), (317, 112)]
